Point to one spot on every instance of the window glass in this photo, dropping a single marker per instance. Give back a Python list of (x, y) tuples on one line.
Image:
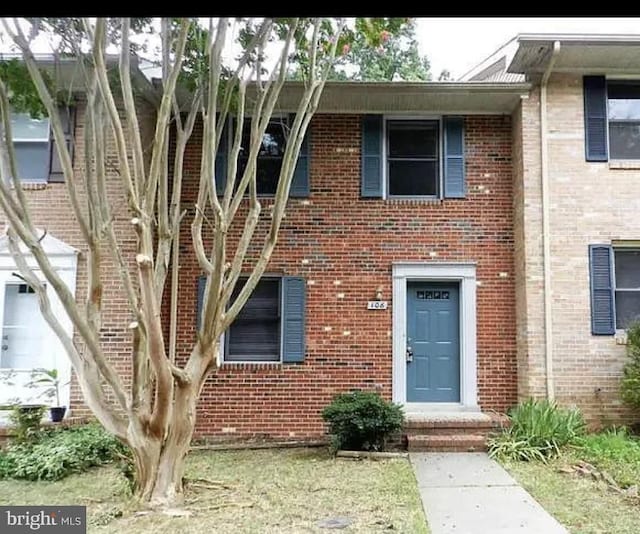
[(412, 157), (628, 269), (24, 128), (624, 120), (627, 294), (255, 333), (31, 145), (269, 161), (627, 308)]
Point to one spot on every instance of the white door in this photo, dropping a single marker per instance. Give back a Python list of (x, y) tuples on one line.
[(22, 349)]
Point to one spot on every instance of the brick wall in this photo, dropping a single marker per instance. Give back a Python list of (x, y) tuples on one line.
[(590, 203), (344, 247)]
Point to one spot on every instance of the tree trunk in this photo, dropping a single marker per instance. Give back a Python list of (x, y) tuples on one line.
[(159, 464)]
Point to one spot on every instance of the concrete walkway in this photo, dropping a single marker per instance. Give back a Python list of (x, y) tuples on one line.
[(468, 493)]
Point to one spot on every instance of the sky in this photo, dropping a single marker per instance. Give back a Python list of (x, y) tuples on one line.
[(458, 44)]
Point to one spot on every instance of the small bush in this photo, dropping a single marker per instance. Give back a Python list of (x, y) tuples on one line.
[(539, 429), (630, 384), (26, 422), (59, 453), (362, 420)]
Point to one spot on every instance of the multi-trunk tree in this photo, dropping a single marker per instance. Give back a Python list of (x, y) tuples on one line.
[(153, 408)]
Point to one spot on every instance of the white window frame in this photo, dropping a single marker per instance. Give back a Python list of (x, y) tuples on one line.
[(224, 340), (617, 80), (615, 283), (385, 167)]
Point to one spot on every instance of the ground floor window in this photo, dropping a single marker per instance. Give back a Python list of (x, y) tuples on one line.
[(255, 333), (627, 286)]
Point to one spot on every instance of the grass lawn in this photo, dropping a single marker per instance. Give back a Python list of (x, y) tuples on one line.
[(582, 504), (256, 491)]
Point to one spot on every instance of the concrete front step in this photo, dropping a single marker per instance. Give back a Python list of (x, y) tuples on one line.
[(446, 442)]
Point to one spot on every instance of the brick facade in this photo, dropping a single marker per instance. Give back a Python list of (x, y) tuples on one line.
[(344, 247), (590, 203)]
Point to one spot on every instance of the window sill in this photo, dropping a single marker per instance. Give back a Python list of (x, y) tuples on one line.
[(33, 186), (251, 365), (414, 200), (624, 164), (621, 337)]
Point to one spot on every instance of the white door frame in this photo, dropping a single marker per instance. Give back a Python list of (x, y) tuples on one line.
[(465, 274), (64, 260)]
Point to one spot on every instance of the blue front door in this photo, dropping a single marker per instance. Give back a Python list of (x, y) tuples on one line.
[(433, 342)]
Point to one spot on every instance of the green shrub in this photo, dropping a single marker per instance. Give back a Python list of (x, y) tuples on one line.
[(615, 451), (539, 429), (26, 422), (630, 385), (362, 420), (59, 453)]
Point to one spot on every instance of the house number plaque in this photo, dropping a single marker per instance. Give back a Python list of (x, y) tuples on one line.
[(377, 305)]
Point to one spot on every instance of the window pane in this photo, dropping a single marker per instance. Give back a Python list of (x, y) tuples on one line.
[(627, 308), (32, 160), (624, 140), (273, 140), (269, 157), (624, 109), (413, 139), (412, 178), (627, 269), (25, 128), (255, 334)]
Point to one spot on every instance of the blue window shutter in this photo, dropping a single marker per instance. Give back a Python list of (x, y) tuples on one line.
[(202, 282), (454, 179), (602, 309), (371, 170), (293, 314), (300, 182), (221, 159), (68, 119), (595, 118)]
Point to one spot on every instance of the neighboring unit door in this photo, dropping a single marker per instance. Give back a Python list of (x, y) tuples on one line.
[(433, 342)]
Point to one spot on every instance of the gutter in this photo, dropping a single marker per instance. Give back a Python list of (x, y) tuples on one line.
[(546, 238)]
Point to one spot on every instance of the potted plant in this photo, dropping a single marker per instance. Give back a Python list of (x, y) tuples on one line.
[(50, 381)]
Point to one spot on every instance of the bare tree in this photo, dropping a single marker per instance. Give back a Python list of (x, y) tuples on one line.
[(153, 409)]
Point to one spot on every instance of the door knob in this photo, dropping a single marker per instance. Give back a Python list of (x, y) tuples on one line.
[(409, 354)]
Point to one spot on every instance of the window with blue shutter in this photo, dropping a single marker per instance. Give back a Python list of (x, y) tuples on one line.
[(602, 306), (36, 153), (595, 118), (270, 326), (454, 179), (371, 157)]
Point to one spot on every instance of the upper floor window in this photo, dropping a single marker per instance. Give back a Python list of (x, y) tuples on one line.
[(624, 119), (31, 144), (269, 161), (413, 158)]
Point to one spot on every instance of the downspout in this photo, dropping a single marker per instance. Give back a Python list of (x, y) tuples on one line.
[(546, 245)]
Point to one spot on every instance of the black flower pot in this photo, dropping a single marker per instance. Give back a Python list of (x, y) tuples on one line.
[(57, 413)]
